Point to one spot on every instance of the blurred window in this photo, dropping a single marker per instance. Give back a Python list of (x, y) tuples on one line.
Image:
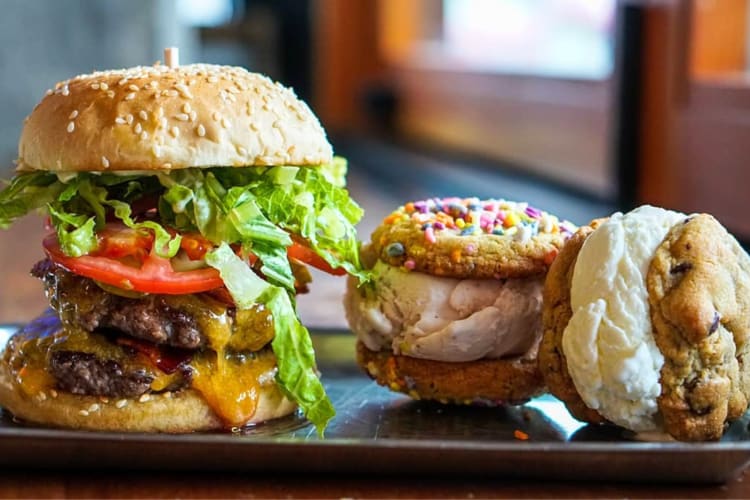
[(557, 38), (206, 13)]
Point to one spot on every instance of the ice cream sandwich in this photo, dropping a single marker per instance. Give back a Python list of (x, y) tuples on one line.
[(646, 323), (453, 310)]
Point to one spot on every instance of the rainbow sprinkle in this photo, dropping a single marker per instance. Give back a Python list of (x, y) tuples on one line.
[(470, 216)]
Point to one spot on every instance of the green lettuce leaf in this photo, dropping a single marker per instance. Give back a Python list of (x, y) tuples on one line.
[(26, 193), (335, 172), (295, 357)]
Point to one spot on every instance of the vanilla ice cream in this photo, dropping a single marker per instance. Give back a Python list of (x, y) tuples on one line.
[(609, 344), (445, 319)]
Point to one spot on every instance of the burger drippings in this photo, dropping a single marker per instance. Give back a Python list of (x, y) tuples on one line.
[(231, 383)]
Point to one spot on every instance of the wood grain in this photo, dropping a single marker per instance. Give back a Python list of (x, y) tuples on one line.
[(128, 484)]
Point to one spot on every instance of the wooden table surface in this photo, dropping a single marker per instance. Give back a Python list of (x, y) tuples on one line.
[(21, 298)]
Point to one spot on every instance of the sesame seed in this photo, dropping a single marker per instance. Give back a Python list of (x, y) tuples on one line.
[(71, 127), (129, 119), (266, 107), (182, 89), (133, 87), (186, 108), (201, 130), (104, 86), (130, 96), (156, 150), (166, 166), (216, 116), (172, 93), (94, 407), (49, 92), (183, 117), (103, 399), (73, 115), (83, 413), (65, 90), (163, 122), (225, 123), (193, 115), (105, 162), (120, 120), (144, 398), (122, 82), (212, 79), (42, 396), (144, 135), (95, 86), (242, 151), (138, 128), (254, 127), (110, 93), (175, 132), (143, 114), (121, 403)]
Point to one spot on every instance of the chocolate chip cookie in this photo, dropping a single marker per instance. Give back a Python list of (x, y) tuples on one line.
[(699, 297)]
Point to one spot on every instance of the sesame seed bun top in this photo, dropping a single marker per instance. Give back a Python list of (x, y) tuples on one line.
[(155, 118)]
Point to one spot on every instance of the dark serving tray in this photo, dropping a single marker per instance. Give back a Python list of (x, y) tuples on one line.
[(379, 432)]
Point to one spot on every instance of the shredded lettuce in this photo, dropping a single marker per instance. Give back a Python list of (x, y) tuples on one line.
[(255, 208), (295, 356), (335, 172), (27, 193)]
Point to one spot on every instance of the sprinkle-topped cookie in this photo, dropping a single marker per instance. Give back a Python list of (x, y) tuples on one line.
[(470, 216), (469, 237)]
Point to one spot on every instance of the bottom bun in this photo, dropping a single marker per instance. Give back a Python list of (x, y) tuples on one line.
[(171, 412), (490, 382)]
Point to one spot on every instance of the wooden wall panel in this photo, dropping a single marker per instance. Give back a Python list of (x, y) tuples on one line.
[(713, 147), (695, 137), (346, 57), (557, 128), (719, 37)]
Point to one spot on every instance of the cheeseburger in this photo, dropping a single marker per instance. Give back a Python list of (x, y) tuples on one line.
[(183, 203)]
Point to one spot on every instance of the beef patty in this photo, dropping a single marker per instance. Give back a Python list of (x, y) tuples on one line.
[(84, 373), (183, 321)]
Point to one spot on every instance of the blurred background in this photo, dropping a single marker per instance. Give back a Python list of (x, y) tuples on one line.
[(581, 107)]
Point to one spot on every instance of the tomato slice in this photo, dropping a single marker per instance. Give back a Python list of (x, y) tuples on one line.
[(125, 258), (117, 241), (154, 276), (307, 255), (195, 246)]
